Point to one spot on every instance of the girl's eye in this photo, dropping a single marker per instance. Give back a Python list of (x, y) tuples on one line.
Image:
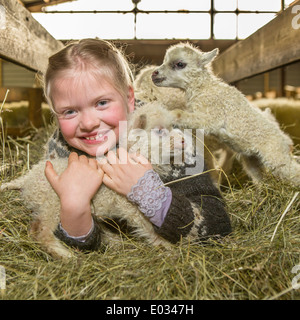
[(69, 113), (102, 103)]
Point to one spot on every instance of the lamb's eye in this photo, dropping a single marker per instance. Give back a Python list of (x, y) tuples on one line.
[(180, 65), (160, 131)]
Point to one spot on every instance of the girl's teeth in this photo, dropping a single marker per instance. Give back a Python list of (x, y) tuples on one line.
[(95, 138)]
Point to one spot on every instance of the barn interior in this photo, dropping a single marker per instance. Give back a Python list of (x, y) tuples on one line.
[(259, 54)]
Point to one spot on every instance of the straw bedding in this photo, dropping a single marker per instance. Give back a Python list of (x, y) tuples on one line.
[(254, 262)]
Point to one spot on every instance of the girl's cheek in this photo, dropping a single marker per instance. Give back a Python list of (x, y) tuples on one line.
[(115, 116), (67, 128)]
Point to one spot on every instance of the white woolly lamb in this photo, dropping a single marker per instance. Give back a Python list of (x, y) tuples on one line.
[(218, 157), (223, 111), (43, 201), (146, 91)]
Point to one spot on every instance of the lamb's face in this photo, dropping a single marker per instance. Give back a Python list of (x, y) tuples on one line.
[(174, 70), (151, 133), (182, 63)]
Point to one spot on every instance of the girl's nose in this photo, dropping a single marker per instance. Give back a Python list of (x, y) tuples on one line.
[(89, 121)]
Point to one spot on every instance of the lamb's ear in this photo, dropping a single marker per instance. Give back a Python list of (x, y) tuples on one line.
[(140, 122), (208, 57)]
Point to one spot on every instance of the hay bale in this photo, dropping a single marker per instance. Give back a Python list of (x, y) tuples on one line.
[(287, 113)]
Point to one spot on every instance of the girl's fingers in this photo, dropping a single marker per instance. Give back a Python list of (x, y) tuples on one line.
[(112, 158), (107, 180), (83, 159), (51, 174), (73, 157), (107, 169), (133, 158), (101, 172), (123, 155), (138, 158), (102, 161), (93, 163)]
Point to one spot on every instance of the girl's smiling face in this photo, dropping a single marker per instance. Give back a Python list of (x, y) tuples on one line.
[(89, 110)]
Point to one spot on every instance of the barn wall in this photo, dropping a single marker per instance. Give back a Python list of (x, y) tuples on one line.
[(257, 84), (13, 75), (16, 76), (293, 75)]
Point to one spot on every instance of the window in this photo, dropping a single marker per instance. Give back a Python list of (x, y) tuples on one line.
[(158, 19), (85, 25), (248, 23), (91, 5), (148, 5), (225, 26), (265, 5), (228, 5), (175, 25)]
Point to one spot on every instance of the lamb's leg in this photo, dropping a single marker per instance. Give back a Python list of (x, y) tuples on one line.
[(190, 120), (43, 233), (280, 164), (135, 219), (253, 167), (288, 169), (16, 184), (144, 228)]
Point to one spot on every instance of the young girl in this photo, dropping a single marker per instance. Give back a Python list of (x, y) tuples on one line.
[(89, 87)]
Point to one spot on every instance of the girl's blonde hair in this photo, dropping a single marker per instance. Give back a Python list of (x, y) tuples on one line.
[(100, 56)]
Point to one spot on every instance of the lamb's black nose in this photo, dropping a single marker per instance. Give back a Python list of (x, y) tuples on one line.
[(155, 73)]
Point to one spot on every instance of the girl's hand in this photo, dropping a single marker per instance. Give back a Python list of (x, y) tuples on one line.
[(122, 171), (76, 187)]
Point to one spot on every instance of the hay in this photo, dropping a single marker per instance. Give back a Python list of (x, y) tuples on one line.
[(254, 263)]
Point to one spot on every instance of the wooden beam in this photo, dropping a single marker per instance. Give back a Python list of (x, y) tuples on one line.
[(14, 94), (23, 40), (144, 52), (275, 44), (37, 6)]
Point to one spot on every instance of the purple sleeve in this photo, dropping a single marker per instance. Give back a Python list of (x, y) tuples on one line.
[(152, 197)]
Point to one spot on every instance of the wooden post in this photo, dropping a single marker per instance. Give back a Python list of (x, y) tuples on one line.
[(35, 97), (282, 82), (266, 83), (1, 73)]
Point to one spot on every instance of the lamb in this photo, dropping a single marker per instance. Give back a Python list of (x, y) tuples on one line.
[(146, 91), (43, 201), (223, 111), (218, 157)]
